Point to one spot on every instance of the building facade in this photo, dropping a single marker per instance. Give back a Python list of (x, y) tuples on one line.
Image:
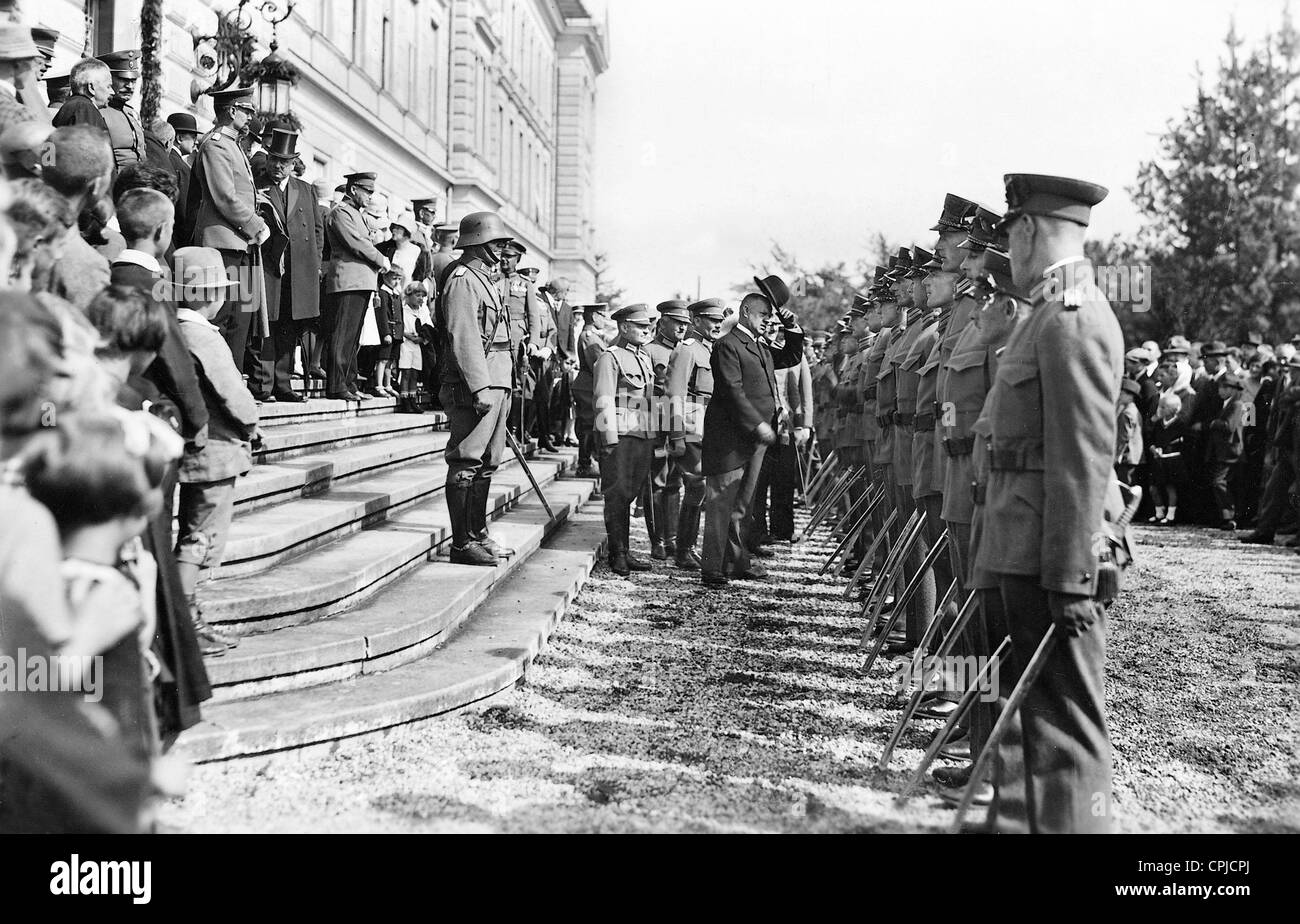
[(486, 104)]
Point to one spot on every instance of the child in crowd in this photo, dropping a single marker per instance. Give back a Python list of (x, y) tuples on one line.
[(388, 319), (415, 313), (1128, 431), (208, 473), (1227, 443), (1168, 467)]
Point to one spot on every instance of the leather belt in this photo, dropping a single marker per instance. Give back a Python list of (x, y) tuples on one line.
[(924, 422), (903, 420), (1015, 460), (499, 347), (977, 492), (959, 447), (885, 420), (869, 393)]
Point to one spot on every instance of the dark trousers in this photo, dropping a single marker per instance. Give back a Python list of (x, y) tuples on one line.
[(727, 500), (921, 608), (346, 314), (1066, 745), (558, 407), (539, 408), (774, 499), (235, 318), (624, 471), (274, 370), (1274, 502), (666, 483), (1221, 473)]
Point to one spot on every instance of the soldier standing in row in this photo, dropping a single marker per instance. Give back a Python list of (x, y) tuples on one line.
[(591, 343), (522, 305), (624, 392), (475, 391), (666, 480), (688, 386), (124, 128)]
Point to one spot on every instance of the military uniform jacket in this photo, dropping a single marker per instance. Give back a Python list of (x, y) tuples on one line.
[(476, 346), (1052, 416), (659, 350), (222, 195), (887, 397), (624, 391), (923, 424), (688, 385), (521, 304), (823, 377), (907, 364), (970, 371), (958, 323), (865, 386), (744, 396), (353, 262), (590, 345), (124, 132), (849, 399)]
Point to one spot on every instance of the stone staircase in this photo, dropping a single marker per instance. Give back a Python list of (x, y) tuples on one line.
[(351, 618)]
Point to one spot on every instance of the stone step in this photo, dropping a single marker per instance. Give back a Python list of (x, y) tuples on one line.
[(341, 574), (401, 624), (277, 413), (299, 439), (489, 654), (274, 483)]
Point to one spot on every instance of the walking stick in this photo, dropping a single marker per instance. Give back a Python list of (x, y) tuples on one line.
[(1014, 701), (914, 701), (882, 536), (901, 549), (519, 455), (873, 498), (941, 738), (901, 603)]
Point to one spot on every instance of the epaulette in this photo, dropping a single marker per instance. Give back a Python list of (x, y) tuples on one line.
[(1078, 295), (458, 271), (688, 341)]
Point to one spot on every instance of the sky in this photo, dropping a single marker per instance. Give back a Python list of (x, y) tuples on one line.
[(724, 125)]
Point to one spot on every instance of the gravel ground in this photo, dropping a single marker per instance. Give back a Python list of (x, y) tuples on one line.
[(662, 706)]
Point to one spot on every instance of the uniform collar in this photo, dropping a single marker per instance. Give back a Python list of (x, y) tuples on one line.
[(139, 258)]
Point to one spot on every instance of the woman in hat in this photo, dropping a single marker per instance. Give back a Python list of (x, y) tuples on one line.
[(404, 249)]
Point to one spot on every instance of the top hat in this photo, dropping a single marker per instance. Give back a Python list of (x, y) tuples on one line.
[(284, 144)]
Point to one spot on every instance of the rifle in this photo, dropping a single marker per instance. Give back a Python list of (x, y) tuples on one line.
[(872, 498), (882, 536), (901, 603), (902, 548)]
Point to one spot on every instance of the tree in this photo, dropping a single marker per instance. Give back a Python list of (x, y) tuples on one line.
[(607, 290), (1220, 201), (818, 297)]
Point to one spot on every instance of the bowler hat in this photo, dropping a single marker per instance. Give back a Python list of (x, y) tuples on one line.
[(774, 290), (183, 123), (1177, 345)]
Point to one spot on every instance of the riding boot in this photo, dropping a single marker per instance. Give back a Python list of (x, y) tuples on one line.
[(668, 510)]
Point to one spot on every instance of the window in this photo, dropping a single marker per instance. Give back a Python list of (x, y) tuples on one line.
[(386, 53), (433, 56)]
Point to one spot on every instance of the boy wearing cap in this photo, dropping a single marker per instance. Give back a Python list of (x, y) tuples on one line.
[(1128, 431), (1226, 445), (208, 473)]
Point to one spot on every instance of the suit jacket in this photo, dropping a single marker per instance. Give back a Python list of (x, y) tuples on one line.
[(232, 412), (79, 110), (291, 257), (1052, 416), (353, 260), (172, 371), (744, 396), (180, 168), (223, 196)]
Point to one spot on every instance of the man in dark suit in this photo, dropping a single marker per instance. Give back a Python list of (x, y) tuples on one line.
[(178, 156), (92, 87), (291, 265), (739, 425)]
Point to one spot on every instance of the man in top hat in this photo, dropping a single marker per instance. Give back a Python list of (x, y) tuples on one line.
[(591, 343), (625, 430), (475, 390), (224, 201), (523, 308), (91, 85), (773, 510), (18, 54), (739, 424), (124, 128), (688, 388), (291, 260), (1051, 490), (350, 281), (185, 134), (666, 480)]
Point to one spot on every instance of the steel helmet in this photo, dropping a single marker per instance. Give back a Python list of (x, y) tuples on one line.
[(481, 228)]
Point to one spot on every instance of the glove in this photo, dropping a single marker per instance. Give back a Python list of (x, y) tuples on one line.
[(765, 434), (1073, 614), (484, 400), (262, 236), (801, 435), (677, 448)]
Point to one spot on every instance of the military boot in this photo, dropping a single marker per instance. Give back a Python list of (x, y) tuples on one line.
[(465, 550), (480, 491), (669, 508), (688, 528)]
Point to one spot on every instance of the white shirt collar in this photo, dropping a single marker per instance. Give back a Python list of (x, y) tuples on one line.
[(1060, 263), (139, 258), (746, 331), (189, 314)]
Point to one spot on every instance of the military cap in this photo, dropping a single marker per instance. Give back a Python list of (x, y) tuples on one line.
[(58, 88), (532, 271), (45, 39), (880, 276), (16, 42), (1177, 345), (1050, 197), (1214, 348), (711, 308), (774, 290), (593, 308), (904, 259), (997, 275), (817, 336), (920, 257), (1140, 354), (516, 247), (1231, 380), (123, 63), (957, 214), (341, 188), (1131, 387), (429, 201), (985, 232), (674, 308), (365, 180), (638, 313), (183, 123), (859, 306), (236, 98), (934, 265), (449, 228)]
